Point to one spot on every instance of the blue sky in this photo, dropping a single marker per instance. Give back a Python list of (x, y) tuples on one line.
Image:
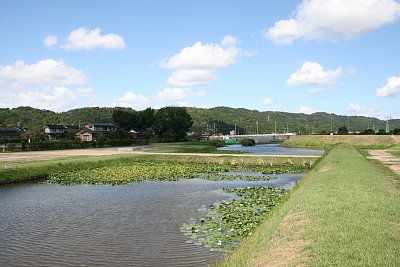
[(335, 56)]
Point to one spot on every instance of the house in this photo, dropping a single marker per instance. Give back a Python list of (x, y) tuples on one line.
[(86, 135), (91, 130), (101, 127), (54, 132), (71, 129), (10, 132), (137, 134)]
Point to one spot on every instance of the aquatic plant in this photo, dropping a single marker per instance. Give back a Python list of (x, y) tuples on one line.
[(165, 171), (228, 222)]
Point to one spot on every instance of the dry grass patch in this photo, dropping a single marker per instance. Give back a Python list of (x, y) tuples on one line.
[(287, 248)]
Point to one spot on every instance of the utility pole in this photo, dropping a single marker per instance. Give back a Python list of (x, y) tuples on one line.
[(275, 128), (331, 125), (235, 129), (215, 130)]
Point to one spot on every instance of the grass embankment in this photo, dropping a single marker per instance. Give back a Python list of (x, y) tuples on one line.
[(187, 147), (358, 141), (345, 212), (43, 169)]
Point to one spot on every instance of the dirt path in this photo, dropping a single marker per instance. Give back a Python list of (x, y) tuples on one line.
[(55, 154), (387, 159)]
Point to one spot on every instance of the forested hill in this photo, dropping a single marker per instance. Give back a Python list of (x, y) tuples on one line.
[(223, 117)]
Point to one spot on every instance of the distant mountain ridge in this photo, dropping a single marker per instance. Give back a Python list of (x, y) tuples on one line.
[(224, 119)]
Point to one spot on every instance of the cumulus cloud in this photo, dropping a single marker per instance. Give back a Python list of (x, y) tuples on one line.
[(179, 94), (50, 41), (199, 56), (42, 84), (189, 77), (49, 71), (58, 98), (130, 99), (391, 88), (195, 65), (313, 73), (306, 110), (87, 39), (266, 101), (333, 20), (174, 94)]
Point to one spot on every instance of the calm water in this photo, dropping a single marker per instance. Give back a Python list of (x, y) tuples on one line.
[(272, 149), (132, 225)]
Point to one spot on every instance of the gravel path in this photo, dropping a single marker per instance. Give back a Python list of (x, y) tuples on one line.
[(54, 154), (386, 158)]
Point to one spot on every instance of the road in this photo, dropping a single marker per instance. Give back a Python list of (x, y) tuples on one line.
[(56, 154)]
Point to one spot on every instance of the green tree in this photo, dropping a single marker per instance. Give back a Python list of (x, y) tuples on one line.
[(126, 119), (172, 124), (146, 118), (343, 130)]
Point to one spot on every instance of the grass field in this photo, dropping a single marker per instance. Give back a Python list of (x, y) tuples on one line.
[(359, 141), (345, 212)]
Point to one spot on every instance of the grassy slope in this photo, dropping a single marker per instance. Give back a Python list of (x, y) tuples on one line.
[(360, 141), (346, 212)]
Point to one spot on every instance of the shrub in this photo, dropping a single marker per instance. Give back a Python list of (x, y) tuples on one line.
[(216, 142), (248, 142)]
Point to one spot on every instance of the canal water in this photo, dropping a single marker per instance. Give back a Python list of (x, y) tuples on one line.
[(271, 149), (132, 225)]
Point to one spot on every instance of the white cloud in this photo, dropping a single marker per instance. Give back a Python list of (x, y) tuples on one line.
[(87, 39), (179, 94), (333, 20), (198, 56), (266, 101), (190, 77), (49, 72), (195, 65), (306, 110), (230, 40), (174, 94), (41, 85), (130, 99), (50, 41), (313, 73), (57, 98), (391, 88)]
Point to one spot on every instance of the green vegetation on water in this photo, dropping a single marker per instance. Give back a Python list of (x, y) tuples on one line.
[(139, 171), (345, 212), (227, 223), (41, 170)]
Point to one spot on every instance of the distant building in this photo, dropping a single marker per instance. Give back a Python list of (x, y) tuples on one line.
[(54, 132), (10, 132), (86, 135), (101, 127), (91, 130)]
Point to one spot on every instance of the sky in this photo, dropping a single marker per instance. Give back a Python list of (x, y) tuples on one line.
[(335, 56)]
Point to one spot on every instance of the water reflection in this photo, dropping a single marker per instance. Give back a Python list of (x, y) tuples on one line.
[(272, 149), (134, 225)]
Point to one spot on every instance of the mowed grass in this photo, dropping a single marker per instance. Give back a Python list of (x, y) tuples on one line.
[(359, 141), (345, 212)]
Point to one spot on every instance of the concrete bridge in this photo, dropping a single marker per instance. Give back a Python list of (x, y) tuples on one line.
[(259, 138)]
